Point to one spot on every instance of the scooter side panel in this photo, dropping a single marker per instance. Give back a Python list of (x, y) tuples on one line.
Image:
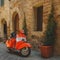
[(20, 46), (7, 43)]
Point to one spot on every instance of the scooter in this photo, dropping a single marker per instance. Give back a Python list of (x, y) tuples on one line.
[(22, 47)]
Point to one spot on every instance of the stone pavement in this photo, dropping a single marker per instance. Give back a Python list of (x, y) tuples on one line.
[(4, 55)]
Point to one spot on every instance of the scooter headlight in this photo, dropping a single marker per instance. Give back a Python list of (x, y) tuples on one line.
[(23, 40)]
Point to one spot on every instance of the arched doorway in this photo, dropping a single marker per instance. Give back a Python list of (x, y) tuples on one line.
[(4, 25), (15, 22)]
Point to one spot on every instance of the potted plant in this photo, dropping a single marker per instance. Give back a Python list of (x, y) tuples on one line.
[(49, 38)]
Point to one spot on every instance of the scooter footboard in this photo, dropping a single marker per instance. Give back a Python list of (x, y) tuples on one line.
[(23, 45)]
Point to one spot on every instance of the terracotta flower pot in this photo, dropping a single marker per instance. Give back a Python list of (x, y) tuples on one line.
[(46, 51)]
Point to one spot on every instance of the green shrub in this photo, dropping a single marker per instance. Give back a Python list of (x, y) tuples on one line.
[(50, 32)]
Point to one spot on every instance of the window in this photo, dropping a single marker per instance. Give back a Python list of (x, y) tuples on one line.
[(1, 2), (38, 15)]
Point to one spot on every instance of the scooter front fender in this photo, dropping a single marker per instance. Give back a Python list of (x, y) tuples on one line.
[(23, 45), (8, 43)]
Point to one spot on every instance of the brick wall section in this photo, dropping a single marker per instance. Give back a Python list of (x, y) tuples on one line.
[(57, 43), (28, 8), (46, 11), (57, 16)]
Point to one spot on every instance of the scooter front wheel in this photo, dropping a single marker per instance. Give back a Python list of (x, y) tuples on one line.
[(25, 51)]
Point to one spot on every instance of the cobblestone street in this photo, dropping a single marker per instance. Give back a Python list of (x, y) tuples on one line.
[(5, 55)]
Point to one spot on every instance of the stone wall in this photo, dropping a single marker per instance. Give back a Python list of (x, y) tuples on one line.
[(57, 16), (4, 16), (57, 43)]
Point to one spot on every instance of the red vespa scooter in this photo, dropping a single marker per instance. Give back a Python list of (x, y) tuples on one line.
[(22, 47)]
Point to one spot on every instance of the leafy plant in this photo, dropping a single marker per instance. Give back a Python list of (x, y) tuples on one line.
[(25, 26), (50, 32)]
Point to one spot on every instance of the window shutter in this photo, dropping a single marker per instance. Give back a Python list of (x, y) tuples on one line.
[(2, 2), (38, 13)]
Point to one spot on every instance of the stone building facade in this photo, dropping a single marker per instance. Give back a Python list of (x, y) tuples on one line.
[(12, 18)]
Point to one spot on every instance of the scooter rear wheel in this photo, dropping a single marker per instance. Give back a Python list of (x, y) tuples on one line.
[(25, 51)]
